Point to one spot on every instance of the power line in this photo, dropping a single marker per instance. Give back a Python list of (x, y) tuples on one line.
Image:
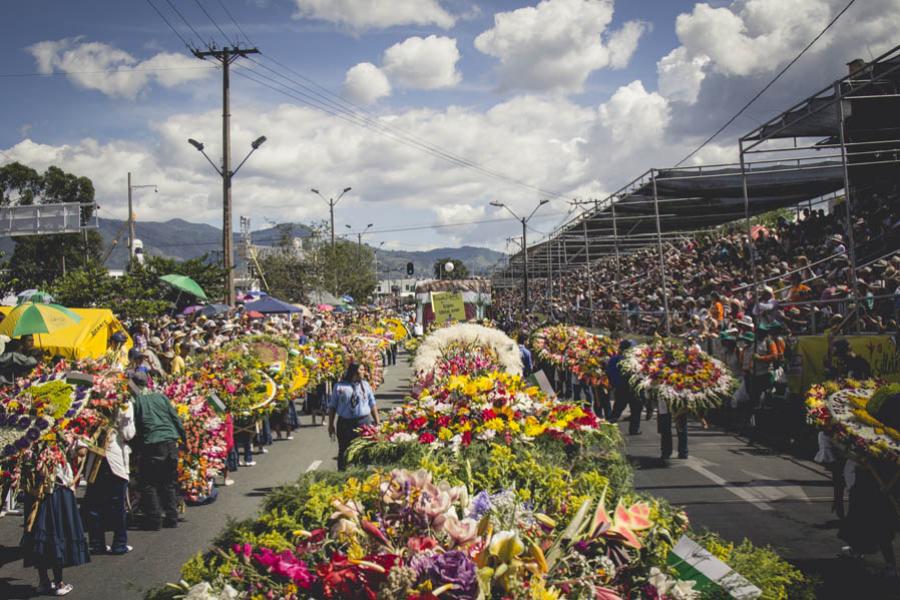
[(768, 85), (163, 17), (236, 24), (211, 20), (99, 71), (185, 21)]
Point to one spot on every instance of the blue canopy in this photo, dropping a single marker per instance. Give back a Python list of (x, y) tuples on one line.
[(269, 305)]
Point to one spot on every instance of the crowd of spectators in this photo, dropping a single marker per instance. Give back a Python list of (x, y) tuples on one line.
[(796, 273)]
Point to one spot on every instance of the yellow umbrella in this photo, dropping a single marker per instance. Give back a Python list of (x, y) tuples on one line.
[(36, 317)]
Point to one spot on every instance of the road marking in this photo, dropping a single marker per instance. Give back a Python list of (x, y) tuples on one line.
[(749, 495), (314, 465)]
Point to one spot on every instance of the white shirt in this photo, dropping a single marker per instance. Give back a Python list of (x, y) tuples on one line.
[(118, 450)]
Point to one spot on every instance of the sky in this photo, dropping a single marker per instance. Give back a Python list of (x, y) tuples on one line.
[(428, 109)]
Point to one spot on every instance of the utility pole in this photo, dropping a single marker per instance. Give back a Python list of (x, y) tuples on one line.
[(524, 221), (130, 222), (225, 57)]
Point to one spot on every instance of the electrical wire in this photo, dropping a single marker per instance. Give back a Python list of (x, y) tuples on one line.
[(768, 85), (236, 24), (100, 71), (185, 21), (330, 102), (163, 17), (211, 20)]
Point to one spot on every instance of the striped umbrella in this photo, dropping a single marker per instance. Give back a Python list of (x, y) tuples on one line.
[(36, 317)]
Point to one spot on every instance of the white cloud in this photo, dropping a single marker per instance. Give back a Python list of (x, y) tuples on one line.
[(750, 38), (376, 14), (365, 83), (557, 44), (423, 63), (92, 65), (634, 117), (680, 76)]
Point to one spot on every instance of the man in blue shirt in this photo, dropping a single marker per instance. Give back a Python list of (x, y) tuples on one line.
[(525, 356), (353, 402)]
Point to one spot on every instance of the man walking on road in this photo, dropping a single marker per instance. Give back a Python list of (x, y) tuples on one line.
[(624, 395), (159, 430)]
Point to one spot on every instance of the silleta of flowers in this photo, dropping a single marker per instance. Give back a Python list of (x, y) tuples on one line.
[(434, 347), (857, 416), (495, 407), (686, 378), (574, 349)]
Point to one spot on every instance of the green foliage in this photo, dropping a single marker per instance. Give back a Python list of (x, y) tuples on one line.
[(287, 275), (460, 271), (139, 293), (761, 566), (38, 260)]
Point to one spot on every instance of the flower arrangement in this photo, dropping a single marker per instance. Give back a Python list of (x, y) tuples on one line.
[(467, 334), (405, 534), (574, 349), (240, 381), (686, 378), (203, 457), (842, 410), (493, 407)]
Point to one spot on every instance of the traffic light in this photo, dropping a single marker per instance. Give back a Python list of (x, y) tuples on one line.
[(410, 268)]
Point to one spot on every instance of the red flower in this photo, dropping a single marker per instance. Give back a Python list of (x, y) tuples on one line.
[(426, 438), (417, 423), (466, 438)]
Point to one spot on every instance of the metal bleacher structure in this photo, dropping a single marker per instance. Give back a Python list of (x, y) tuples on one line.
[(834, 147)]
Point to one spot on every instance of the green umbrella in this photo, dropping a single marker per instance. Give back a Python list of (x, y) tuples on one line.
[(185, 284), (35, 317)]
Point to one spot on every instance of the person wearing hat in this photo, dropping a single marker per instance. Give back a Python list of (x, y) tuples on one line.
[(158, 429), (624, 395), (117, 353), (842, 362)]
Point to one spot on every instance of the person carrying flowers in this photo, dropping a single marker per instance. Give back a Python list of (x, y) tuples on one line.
[(353, 402)]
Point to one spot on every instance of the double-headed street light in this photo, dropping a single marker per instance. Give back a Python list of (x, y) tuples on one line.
[(227, 173), (331, 204), (359, 235), (524, 245)]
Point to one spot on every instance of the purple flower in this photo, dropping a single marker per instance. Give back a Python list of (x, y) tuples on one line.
[(456, 568), (70, 413), (9, 450), (3, 419), (481, 504), (22, 443), (42, 423), (24, 423), (33, 434)]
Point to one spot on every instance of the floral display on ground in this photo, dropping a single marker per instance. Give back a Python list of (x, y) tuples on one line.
[(577, 350), (685, 377), (547, 513), (860, 416)]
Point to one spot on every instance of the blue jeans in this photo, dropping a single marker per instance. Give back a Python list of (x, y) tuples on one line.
[(580, 387), (242, 444), (293, 420)]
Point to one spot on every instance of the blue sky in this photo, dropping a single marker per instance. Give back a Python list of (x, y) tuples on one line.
[(571, 96)]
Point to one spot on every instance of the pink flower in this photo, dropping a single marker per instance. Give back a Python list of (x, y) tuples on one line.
[(286, 565)]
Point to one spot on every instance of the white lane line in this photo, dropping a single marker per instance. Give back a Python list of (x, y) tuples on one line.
[(314, 465), (747, 494)]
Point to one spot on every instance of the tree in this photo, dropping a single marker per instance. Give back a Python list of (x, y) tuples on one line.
[(38, 260), (460, 271), (288, 276), (350, 265)]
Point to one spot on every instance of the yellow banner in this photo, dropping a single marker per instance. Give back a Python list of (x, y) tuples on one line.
[(448, 306), (814, 358)]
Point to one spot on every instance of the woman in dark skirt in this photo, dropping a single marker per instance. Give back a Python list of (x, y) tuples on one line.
[(56, 539), (871, 523)]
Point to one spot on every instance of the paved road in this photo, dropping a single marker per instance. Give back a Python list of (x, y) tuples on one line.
[(741, 490), (157, 556)]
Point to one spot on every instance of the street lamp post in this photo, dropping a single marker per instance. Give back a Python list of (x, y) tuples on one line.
[(227, 173), (331, 204), (524, 222)]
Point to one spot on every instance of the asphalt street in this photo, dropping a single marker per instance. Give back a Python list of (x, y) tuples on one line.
[(158, 556)]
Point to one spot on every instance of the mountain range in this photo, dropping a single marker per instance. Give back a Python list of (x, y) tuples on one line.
[(183, 240)]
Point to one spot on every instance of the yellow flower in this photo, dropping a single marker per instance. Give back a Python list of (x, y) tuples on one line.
[(495, 424), (444, 434)]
